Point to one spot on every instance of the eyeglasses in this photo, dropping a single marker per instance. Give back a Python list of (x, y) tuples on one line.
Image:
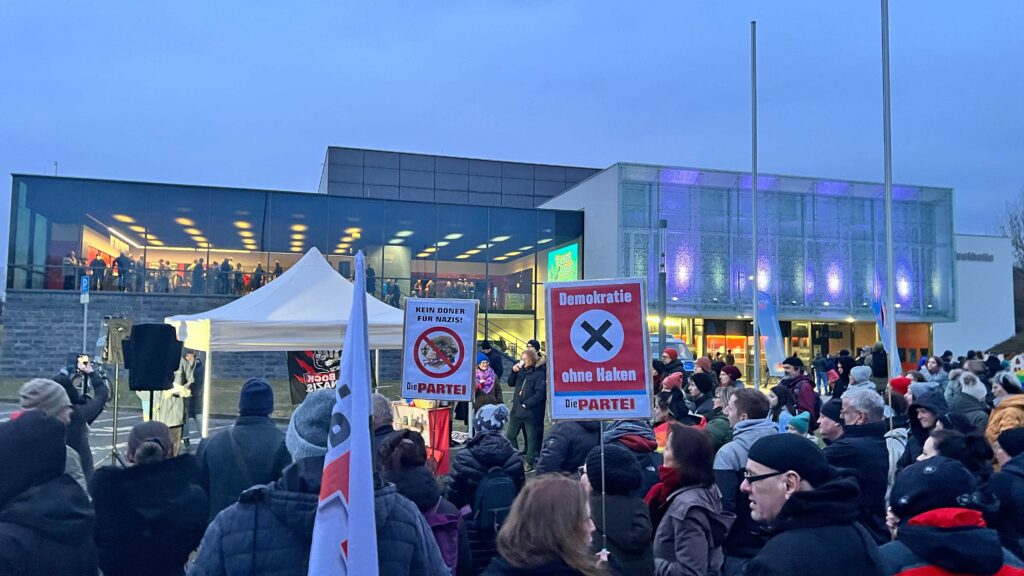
[(582, 470), (750, 479)]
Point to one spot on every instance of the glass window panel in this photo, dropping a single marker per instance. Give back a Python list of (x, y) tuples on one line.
[(512, 256), (381, 176), (461, 262), (381, 159), (296, 223), (417, 162), (409, 229), (451, 165), (355, 225)]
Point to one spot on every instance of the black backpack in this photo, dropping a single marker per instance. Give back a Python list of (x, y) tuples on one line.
[(494, 497)]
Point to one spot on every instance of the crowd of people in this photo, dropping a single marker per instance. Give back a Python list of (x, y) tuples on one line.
[(915, 474)]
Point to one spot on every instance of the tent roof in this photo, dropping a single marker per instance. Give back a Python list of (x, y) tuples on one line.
[(306, 308)]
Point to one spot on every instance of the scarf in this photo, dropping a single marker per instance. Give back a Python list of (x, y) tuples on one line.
[(485, 381), (657, 498)]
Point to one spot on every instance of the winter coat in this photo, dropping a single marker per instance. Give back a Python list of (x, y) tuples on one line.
[(567, 444), (847, 362), (941, 378), (718, 428), (863, 451), (704, 404), (690, 537), (639, 438), (269, 531), (501, 567), (936, 403), (1008, 486), (471, 464), (85, 410), (948, 541), (670, 368), (1009, 413), (971, 408), (169, 406), (149, 517), (530, 393), (495, 359), (820, 364), (879, 362), (421, 487), (806, 398), (263, 457), (745, 538), (816, 530), (629, 533), (190, 376), (895, 443)]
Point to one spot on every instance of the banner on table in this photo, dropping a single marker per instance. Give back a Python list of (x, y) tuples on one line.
[(310, 370), (434, 425), (439, 349), (771, 335), (598, 364)]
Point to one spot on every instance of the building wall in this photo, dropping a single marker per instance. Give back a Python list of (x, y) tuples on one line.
[(984, 293), (598, 199)]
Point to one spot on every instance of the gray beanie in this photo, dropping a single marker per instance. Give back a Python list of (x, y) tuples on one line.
[(44, 395), (861, 373), (919, 389), (310, 425)]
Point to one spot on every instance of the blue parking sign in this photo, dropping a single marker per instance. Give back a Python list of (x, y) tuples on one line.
[(85, 284)]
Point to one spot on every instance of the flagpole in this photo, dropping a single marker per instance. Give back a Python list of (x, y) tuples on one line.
[(890, 268), (753, 199)]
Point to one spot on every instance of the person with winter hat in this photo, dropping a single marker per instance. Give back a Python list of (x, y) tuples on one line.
[(612, 483), (923, 415), (672, 381), (900, 385), (46, 520), (270, 529), (730, 376), (637, 437), (802, 387), (860, 377), (249, 453), (703, 366), (669, 363), (486, 382), (1007, 486), (1009, 406), (808, 510), (919, 389), (686, 508), (486, 450), (799, 424), (51, 399), (970, 401), (567, 445), (830, 423), (151, 515), (671, 407), (701, 389), (747, 412), (940, 524)]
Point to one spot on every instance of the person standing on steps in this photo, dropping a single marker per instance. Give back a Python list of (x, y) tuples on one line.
[(528, 379)]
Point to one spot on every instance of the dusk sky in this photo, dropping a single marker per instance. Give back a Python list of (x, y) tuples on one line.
[(250, 94)]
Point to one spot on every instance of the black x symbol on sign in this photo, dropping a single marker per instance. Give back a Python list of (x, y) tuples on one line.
[(596, 335)]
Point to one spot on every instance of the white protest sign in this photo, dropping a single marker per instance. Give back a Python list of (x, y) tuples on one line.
[(439, 348)]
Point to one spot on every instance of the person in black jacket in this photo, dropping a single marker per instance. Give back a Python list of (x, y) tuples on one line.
[(567, 446), (702, 394), (669, 364), (249, 453), (529, 379), (1008, 486), (862, 450), (923, 414), (151, 515), (494, 359), (85, 408), (46, 520), (486, 450), (811, 513), (628, 530), (844, 364)]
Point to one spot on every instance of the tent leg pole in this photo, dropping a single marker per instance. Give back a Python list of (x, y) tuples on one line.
[(207, 383), (376, 367)]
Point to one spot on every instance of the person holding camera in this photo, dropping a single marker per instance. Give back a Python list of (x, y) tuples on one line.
[(78, 381)]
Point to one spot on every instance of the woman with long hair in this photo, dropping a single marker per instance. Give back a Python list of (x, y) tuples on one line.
[(783, 406), (547, 532), (843, 366), (528, 379)]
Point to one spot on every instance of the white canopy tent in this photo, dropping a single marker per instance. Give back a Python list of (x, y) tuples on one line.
[(305, 309)]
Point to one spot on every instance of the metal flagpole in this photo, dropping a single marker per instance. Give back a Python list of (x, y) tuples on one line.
[(890, 272), (753, 199)]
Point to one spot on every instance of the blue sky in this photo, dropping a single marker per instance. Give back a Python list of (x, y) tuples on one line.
[(250, 94)]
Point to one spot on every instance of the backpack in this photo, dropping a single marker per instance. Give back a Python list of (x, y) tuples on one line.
[(446, 532), (494, 497)]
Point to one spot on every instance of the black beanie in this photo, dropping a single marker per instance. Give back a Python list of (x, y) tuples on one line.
[(1012, 441), (256, 399), (794, 362), (622, 473), (32, 445), (785, 452), (704, 382), (930, 484), (833, 410)]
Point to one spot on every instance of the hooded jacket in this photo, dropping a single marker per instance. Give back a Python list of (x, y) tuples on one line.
[(818, 529), (704, 404), (629, 533), (847, 362), (948, 541), (471, 464), (718, 428), (932, 401), (972, 408), (862, 450), (567, 444), (1009, 413), (746, 537), (691, 535), (640, 440), (149, 517), (269, 531), (1008, 486)]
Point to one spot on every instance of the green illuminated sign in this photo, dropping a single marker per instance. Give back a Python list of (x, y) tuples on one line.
[(563, 264)]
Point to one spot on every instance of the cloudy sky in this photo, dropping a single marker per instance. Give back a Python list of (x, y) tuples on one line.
[(249, 94)]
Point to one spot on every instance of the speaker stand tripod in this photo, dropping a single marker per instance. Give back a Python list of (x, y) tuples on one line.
[(114, 456)]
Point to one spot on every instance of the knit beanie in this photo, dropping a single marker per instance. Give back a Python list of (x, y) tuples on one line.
[(481, 357), (794, 362), (703, 381), (704, 363), (930, 484), (622, 473), (44, 395), (535, 344), (785, 452), (490, 418), (671, 353), (257, 398), (673, 380), (900, 384), (974, 388), (732, 372), (1012, 441), (1009, 382), (832, 409), (310, 425), (801, 422), (32, 446), (861, 373)]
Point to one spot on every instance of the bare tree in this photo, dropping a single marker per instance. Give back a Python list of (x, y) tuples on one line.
[(1012, 226)]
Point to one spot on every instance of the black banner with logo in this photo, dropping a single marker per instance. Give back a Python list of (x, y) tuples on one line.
[(311, 370)]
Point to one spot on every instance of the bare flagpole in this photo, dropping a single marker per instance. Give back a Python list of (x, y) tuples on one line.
[(890, 269), (753, 198)]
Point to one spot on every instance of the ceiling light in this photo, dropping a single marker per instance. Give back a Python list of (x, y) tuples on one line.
[(353, 230), (484, 246), (156, 243), (462, 256), (242, 225), (499, 258), (295, 243), (347, 238), (298, 236), (453, 236), (199, 238), (203, 244), (299, 227), (544, 241), (193, 231), (185, 221), (473, 251), (442, 243), (824, 303), (404, 233), (525, 248), (343, 245), (245, 233), (296, 249), (513, 253), (137, 228), (124, 218), (395, 241), (423, 255), (500, 238), (430, 250)]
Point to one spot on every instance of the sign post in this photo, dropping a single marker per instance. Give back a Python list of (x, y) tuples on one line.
[(598, 365), (84, 300), (438, 349)]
